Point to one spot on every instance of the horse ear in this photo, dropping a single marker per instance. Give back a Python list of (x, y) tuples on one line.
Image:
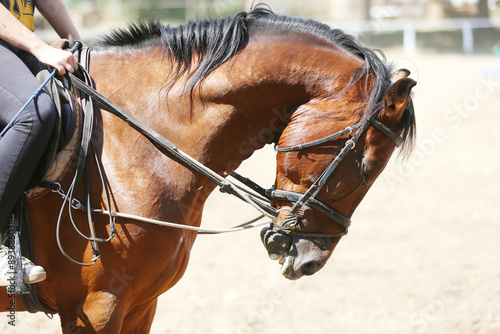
[(399, 74), (396, 99)]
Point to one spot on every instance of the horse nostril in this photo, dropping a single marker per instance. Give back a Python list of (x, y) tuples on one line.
[(277, 244), (310, 268)]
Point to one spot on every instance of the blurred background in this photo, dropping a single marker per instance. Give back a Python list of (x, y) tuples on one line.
[(422, 254), (416, 25)]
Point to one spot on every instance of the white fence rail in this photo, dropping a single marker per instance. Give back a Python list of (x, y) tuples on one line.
[(409, 28)]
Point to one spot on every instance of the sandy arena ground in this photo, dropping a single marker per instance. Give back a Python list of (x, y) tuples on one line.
[(422, 256)]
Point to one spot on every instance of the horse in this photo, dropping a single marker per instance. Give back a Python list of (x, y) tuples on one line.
[(219, 89)]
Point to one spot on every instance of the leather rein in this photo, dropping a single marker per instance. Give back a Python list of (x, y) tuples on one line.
[(298, 200), (258, 197)]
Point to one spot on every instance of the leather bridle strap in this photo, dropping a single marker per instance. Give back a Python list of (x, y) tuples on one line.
[(316, 142), (327, 210), (308, 198), (384, 129), (321, 181)]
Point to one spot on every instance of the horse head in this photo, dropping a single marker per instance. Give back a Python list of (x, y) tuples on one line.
[(335, 172)]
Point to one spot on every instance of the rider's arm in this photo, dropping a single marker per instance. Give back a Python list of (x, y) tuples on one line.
[(55, 12), (14, 32)]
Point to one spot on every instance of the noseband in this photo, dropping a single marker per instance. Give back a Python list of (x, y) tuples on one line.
[(308, 198)]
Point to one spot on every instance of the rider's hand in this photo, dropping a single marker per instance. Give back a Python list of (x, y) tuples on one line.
[(63, 61)]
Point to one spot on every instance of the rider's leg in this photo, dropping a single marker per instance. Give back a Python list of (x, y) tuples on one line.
[(23, 145)]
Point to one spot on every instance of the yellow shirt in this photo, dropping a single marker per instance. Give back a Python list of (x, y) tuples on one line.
[(23, 11)]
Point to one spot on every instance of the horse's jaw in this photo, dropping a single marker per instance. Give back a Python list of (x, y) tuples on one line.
[(298, 256)]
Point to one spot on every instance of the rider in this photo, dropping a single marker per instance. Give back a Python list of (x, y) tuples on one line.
[(21, 147)]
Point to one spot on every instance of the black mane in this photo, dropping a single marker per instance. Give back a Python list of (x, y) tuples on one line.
[(215, 41)]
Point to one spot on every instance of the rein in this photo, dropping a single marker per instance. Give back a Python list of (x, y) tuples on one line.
[(259, 201), (168, 148), (259, 197)]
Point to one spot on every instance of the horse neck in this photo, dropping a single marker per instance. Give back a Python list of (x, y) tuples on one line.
[(239, 108), (218, 129), (270, 79)]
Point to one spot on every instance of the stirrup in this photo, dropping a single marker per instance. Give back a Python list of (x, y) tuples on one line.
[(31, 273)]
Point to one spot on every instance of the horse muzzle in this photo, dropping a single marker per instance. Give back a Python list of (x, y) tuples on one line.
[(298, 256), (277, 243)]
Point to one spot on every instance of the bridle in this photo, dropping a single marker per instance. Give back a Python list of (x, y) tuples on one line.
[(299, 200), (259, 198), (309, 197)]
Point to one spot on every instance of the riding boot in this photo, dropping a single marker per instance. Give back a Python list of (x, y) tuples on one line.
[(32, 273)]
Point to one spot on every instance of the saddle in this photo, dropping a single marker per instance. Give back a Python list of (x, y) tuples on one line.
[(57, 160), (64, 140)]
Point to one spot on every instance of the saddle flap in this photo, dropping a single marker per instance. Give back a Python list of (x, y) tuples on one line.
[(64, 126)]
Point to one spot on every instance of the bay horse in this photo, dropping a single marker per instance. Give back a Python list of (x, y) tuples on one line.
[(219, 89)]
